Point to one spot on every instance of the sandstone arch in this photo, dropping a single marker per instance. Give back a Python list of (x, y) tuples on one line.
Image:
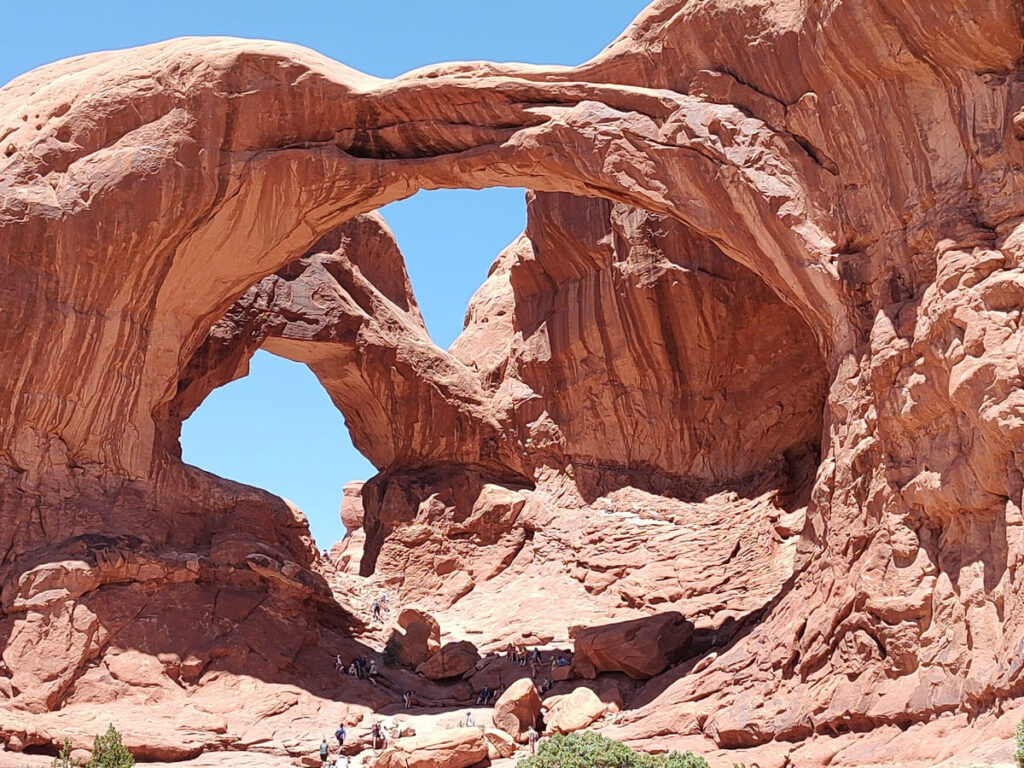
[(869, 157)]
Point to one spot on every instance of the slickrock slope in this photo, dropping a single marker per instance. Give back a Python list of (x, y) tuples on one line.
[(808, 253)]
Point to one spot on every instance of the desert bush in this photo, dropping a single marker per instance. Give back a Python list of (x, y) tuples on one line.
[(1018, 754), (390, 653), (109, 752), (63, 758), (591, 750)]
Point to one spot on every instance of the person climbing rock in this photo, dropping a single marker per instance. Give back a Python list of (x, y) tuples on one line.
[(536, 655), (340, 735), (376, 610), (324, 752)]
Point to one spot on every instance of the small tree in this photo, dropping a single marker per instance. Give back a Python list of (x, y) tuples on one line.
[(63, 758), (109, 752), (1018, 754)]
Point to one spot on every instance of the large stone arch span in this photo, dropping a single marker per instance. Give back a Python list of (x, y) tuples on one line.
[(169, 179), (861, 158)]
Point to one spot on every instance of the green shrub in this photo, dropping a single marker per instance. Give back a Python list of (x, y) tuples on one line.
[(1018, 755), (109, 752), (63, 758), (591, 750)]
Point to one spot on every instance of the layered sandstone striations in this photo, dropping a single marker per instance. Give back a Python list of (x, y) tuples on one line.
[(808, 256)]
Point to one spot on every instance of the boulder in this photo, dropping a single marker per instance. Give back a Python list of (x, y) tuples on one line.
[(574, 711), (455, 748), (517, 709), (641, 648), (452, 660), (499, 744), (416, 638)]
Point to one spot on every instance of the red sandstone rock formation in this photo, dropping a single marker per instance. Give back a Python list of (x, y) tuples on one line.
[(811, 256), (641, 648), (518, 709), (573, 711)]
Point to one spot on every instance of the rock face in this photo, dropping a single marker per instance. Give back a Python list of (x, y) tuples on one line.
[(642, 648), (770, 380), (517, 709)]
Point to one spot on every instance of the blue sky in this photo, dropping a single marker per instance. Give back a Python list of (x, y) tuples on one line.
[(277, 429)]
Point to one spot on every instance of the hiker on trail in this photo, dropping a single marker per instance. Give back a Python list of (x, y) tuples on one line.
[(383, 599), (361, 668), (352, 670), (407, 699), (324, 750), (562, 662), (485, 694), (536, 655), (341, 761), (340, 735), (339, 665), (372, 672), (545, 685), (531, 736), (510, 652), (469, 720), (376, 734), (376, 610), (534, 668)]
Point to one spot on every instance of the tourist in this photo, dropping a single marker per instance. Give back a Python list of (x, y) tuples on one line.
[(372, 672), (339, 665), (376, 610), (510, 652), (324, 751), (536, 655), (545, 685), (352, 670), (340, 735), (485, 694), (341, 761), (376, 735), (407, 699), (469, 720), (531, 736)]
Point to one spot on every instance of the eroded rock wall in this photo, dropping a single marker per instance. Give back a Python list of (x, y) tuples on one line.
[(859, 159)]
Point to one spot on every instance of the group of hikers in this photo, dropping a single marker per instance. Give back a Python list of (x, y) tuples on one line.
[(378, 740), (366, 669), (359, 668)]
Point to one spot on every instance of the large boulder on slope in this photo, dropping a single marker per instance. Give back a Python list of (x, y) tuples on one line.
[(641, 648), (451, 660), (574, 711), (455, 748), (517, 709)]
